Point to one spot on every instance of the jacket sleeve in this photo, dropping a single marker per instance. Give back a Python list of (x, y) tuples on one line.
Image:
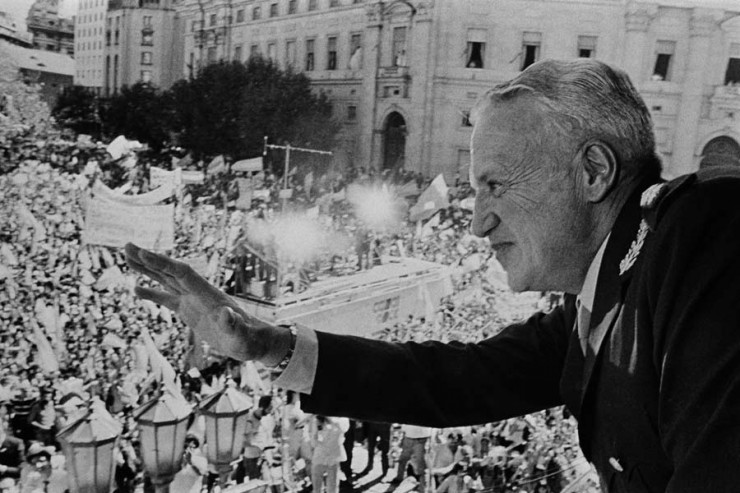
[(441, 385), (693, 301)]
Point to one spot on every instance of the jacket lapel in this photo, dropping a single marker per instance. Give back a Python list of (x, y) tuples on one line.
[(610, 286)]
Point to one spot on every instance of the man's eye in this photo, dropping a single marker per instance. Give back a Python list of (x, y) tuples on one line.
[(497, 188)]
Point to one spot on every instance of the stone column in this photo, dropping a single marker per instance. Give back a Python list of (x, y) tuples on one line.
[(637, 21), (702, 24), (371, 52)]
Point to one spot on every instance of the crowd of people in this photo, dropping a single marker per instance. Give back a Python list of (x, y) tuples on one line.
[(71, 331)]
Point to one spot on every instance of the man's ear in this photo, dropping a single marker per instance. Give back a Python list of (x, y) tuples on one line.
[(600, 170)]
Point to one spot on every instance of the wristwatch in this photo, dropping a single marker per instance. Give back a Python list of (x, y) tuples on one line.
[(286, 359)]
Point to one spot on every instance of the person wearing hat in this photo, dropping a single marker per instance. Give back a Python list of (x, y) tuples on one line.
[(36, 474)]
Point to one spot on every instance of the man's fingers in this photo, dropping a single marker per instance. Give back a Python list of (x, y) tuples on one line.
[(135, 262), (169, 300), (163, 263)]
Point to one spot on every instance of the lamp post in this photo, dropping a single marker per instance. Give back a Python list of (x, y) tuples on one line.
[(88, 446), (163, 424), (225, 415)]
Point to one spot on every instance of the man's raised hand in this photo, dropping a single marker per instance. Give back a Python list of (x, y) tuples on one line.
[(213, 316)]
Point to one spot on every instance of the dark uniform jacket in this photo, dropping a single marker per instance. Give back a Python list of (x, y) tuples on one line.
[(657, 395)]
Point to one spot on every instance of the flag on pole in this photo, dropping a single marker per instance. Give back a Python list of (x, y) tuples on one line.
[(45, 356), (250, 377), (161, 368), (217, 165), (431, 200)]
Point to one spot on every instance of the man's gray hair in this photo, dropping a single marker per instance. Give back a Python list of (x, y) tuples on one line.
[(588, 99)]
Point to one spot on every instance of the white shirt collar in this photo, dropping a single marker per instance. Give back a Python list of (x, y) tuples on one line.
[(588, 291)]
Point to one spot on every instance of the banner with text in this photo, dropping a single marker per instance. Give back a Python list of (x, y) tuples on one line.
[(115, 224)]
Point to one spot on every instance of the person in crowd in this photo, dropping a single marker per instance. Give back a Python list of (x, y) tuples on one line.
[(349, 445), (11, 450), (38, 475), (413, 451), (377, 435), (328, 452), (643, 351)]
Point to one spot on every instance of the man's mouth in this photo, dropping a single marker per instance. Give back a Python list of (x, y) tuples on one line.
[(501, 245)]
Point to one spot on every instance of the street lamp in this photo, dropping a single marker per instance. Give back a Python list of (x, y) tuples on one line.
[(88, 446), (163, 424), (225, 415)]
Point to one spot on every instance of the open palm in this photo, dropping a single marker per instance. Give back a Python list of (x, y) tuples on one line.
[(212, 315)]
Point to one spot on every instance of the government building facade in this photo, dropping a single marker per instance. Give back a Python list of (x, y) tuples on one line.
[(404, 75)]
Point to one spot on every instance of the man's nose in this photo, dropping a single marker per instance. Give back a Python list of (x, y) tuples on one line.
[(483, 220)]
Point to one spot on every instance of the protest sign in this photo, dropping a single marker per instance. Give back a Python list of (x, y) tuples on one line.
[(244, 202), (192, 177), (114, 224)]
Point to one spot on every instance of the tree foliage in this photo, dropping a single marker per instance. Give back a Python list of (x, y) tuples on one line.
[(140, 112), (230, 107), (77, 109)]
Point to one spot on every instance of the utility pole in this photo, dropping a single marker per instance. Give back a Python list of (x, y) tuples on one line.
[(288, 148)]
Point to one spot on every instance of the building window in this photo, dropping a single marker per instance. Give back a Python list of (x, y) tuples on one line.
[(466, 119), (312, 4), (212, 20), (148, 20), (191, 65), (146, 57), (147, 38), (211, 54), (475, 52), (333, 3), (272, 51), (273, 10), (290, 53), (146, 76), (586, 46), (238, 53), (240, 15), (116, 37), (531, 42), (398, 50), (292, 6), (331, 53), (351, 113), (107, 38), (197, 25), (732, 75), (355, 50), (254, 51), (310, 54), (664, 51), (256, 13)]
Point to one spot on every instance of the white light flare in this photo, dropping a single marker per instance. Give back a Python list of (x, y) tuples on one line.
[(377, 207)]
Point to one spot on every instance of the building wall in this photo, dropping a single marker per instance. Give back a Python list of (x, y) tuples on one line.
[(90, 44), (141, 45), (50, 32), (431, 87)]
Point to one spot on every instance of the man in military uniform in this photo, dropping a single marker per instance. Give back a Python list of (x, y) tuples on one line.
[(645, 350)]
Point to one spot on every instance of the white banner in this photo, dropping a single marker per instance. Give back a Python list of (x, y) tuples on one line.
[(115, 224), (101, 190), (160, 176), (192, 177), (248, 165)]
